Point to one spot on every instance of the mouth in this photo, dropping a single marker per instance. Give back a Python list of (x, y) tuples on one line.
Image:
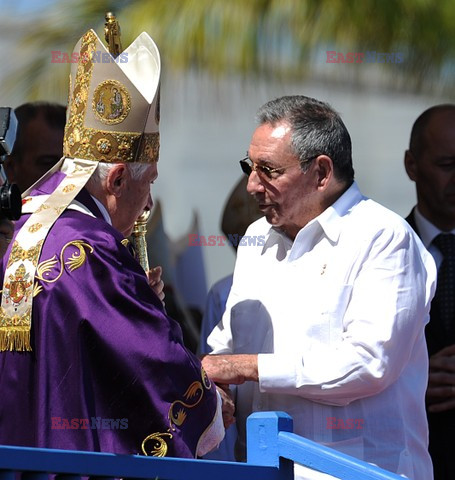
[(266, 206)]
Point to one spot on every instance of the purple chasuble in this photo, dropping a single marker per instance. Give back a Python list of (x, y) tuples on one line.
[(108, 369)]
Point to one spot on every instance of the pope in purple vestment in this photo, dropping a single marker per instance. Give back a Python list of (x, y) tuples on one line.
[(108, 370)]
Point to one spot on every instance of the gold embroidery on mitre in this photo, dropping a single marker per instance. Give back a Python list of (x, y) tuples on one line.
[(150, 148), (111, 102), (103, 145), (82, 142)]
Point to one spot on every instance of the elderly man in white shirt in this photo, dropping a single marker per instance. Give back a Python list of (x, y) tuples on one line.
[(326, 315)]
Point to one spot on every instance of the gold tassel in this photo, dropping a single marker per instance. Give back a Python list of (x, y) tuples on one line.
[(15, 339)]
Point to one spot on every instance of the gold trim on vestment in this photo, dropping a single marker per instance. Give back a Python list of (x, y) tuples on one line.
[(177, 415), (19, 287)]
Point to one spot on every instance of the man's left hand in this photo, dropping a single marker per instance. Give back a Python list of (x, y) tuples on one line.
[(228, 407)]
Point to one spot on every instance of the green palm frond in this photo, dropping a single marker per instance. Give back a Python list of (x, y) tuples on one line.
[(284, 39)]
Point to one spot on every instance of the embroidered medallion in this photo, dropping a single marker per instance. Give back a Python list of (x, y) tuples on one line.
[(111, 102), (16, 285), (103, 145)]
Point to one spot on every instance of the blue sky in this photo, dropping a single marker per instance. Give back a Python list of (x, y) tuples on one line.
[(24, 6)]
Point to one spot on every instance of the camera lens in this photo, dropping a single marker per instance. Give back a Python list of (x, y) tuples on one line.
[(10, 201)]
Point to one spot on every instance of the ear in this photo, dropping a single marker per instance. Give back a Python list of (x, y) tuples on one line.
[(410, 165), (324, 169), (116, 180)]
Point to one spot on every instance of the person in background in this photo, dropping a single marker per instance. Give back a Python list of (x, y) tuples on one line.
[(430, 163), (39, 142), (325, 318), (239, 212)]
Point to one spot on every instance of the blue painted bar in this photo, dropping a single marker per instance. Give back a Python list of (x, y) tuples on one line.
[(262, 441), (127, 466)]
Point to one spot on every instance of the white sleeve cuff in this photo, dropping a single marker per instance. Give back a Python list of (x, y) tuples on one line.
[(276, 373)]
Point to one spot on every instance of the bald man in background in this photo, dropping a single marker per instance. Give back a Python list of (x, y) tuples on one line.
[(430, 163)]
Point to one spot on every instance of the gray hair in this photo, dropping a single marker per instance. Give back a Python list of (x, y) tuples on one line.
[(136, 171), (317, 129)]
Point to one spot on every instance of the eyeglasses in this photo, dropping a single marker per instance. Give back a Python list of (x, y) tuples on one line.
[(248, 166)]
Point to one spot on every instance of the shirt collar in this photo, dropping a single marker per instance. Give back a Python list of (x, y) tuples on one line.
[(327, 223), (103, 210), (427, 231), (330, 218)]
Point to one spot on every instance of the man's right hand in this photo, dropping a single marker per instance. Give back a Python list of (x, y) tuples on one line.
[(440, 395), (231, 369)]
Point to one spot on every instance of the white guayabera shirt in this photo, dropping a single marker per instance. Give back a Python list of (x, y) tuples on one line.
[(338, 319)]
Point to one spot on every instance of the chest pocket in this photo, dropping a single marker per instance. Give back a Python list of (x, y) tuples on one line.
[(328, 327)]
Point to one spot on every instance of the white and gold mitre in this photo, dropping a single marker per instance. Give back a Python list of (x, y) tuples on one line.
[(114, 104)]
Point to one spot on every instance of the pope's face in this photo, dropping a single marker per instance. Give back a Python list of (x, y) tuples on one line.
[(134, 200), (288, 199), (434, 171)]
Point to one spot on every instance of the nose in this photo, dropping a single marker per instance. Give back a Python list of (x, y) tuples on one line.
[(254, 184)]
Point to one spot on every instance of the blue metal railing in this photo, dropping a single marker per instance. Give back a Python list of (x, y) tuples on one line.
[(272, 448)]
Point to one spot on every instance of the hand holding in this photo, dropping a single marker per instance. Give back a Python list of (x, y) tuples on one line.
[(155, 282)]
